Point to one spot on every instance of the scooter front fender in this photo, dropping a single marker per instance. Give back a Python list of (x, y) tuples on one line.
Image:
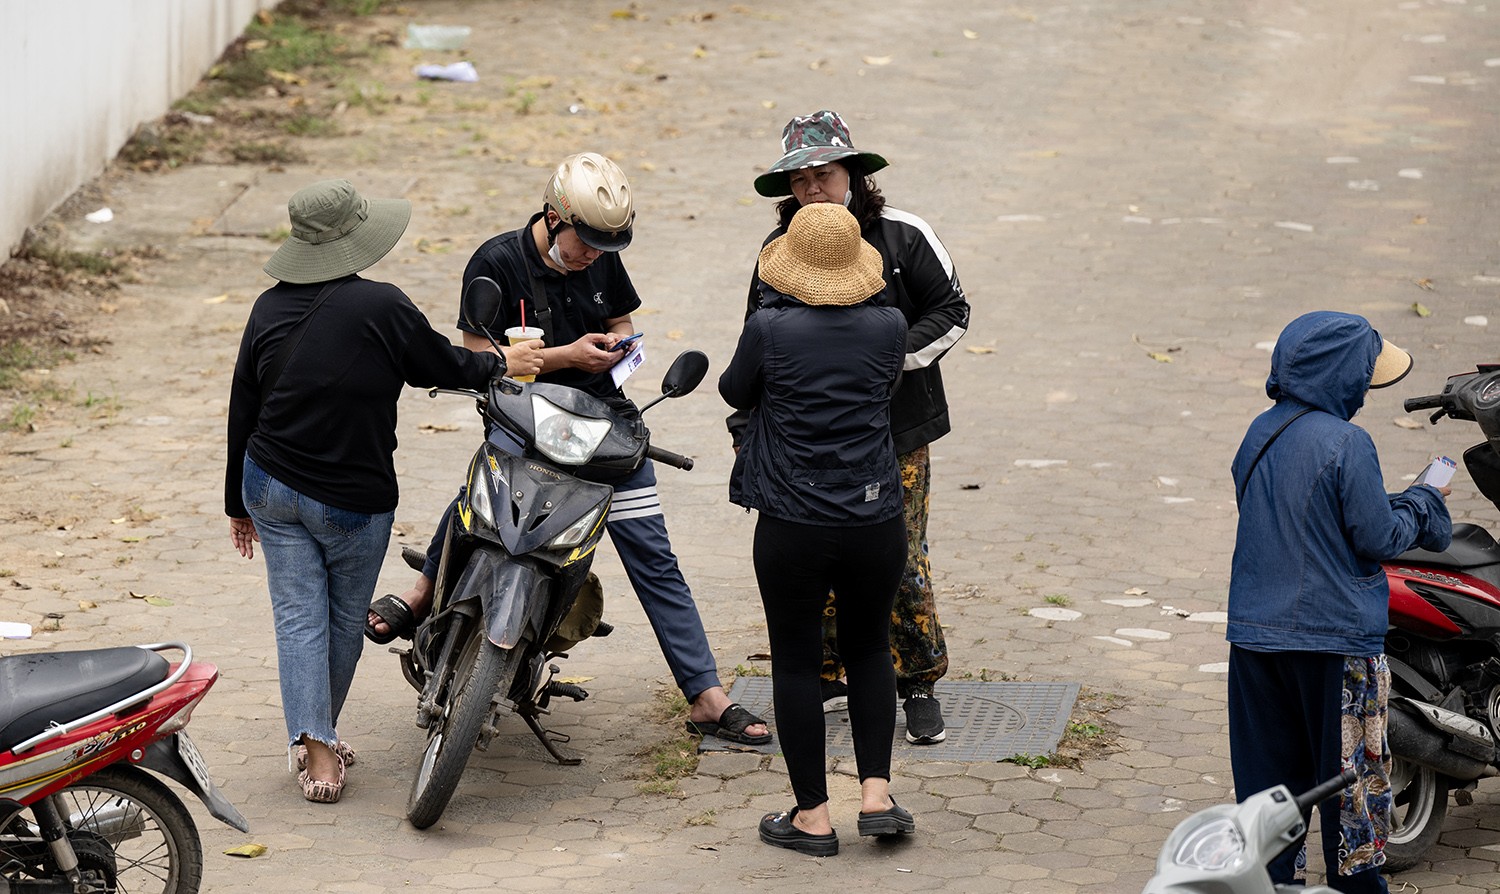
[(513, 594), (164, 756)]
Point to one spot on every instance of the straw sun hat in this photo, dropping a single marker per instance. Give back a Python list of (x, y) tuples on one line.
[(822, 259), (1391, 366), (336, 232)]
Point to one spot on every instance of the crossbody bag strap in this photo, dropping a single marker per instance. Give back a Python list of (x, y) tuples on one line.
[(293, 338), (1240, 493), (541, 312)]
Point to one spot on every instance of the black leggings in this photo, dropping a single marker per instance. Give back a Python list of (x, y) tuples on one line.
[(796, 565)]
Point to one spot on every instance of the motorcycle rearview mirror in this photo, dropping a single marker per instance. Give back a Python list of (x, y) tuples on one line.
[(685, 374), (481, 305)]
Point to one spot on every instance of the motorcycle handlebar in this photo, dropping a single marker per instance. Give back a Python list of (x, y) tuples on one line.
[(1319, 793), (1430, 402), (672, 459)]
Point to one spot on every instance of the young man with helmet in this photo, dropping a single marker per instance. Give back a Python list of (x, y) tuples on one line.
[(564, 264)]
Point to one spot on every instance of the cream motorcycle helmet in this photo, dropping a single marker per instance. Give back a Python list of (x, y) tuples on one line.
[(590, 193)]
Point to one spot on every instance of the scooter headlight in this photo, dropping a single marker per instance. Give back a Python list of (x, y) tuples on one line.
[(1214, 846), (564, 437)]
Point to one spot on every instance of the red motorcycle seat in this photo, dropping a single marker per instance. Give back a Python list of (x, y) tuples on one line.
[(38, 691)]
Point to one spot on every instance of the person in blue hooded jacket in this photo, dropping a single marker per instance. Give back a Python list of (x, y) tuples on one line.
[(1308, 679)]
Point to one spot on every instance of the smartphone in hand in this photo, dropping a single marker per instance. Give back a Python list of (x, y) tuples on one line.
[(627, 342)]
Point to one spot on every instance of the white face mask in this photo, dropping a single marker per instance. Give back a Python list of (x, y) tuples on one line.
[(555, 253)]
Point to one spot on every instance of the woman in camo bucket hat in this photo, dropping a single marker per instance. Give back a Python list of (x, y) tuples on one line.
[(820, 164), (809, 141)]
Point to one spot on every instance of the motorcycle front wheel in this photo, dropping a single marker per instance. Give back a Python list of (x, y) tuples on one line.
[(131, 834), (1419, 802), (483, 673)]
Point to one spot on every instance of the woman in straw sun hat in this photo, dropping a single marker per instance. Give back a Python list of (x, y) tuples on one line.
[(815, 369), (819, 163), (312, 419)]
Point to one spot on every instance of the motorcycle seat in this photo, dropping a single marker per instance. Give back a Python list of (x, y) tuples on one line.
[(38, 691), (1472, 547)]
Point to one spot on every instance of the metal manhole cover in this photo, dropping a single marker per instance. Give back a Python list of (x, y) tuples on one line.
[(985, 721)]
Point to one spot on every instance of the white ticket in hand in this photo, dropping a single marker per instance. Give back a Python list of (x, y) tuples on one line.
[(1438, 472)]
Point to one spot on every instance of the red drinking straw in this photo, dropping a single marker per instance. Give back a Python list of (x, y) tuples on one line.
[(523, 313)]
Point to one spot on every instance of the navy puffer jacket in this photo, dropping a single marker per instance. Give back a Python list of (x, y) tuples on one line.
[(817, 381)]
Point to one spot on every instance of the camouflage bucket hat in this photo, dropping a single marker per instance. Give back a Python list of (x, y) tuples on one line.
[(809, 141)]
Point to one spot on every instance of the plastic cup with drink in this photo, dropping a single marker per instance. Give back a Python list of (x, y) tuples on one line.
[(517, 334)]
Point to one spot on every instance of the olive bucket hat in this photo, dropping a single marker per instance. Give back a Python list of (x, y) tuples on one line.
[(808, 141), (821, 259), (336, 232)]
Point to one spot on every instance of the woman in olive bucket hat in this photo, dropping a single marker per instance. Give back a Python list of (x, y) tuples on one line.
[(820, 164), (312, 419), (815, 369)]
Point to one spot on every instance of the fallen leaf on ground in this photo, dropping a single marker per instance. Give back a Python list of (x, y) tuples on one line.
[(675, 334), (437, 427), (1425, 284), (135, 595), (158, 600), (980, 349), (1420, 309), (574, 680), (86, 604), (217, 299), (1136, 591), (1409, 424), (1158, 357), (876, 60), (971, 35), (970, 486), (247, 850)]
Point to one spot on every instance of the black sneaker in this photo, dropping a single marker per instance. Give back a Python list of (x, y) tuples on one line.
[(835, 696), (924, 720)]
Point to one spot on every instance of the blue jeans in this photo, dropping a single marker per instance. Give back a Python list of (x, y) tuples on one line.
[(321, 567)]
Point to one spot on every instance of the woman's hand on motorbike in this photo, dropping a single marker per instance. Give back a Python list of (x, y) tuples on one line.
[(243, 535), (524, 359)]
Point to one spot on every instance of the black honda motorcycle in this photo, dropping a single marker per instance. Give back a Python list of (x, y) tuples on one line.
[(513, 588)]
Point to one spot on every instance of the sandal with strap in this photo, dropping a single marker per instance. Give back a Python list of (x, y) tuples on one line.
[(399, 619), (731, 727), (321, 791)]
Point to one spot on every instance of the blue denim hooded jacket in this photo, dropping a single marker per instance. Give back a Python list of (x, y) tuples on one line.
[(1315, 520)]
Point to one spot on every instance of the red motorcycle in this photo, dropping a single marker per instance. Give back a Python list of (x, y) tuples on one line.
[(79, 814), (1444, 645)]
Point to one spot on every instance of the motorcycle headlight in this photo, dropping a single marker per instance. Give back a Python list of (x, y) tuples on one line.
[(1214, 846), (564, 437), (576, 532)]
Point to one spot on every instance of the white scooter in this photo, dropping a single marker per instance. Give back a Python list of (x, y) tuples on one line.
[(1225, 848)]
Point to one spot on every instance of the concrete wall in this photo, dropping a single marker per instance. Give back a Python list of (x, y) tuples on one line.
[(78, 76)]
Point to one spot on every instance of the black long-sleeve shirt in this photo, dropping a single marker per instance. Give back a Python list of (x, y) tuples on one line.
[(328, 427)]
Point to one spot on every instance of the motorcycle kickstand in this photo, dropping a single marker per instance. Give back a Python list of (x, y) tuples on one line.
[(548, 738)]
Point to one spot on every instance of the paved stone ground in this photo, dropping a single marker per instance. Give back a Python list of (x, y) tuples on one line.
[(1121, 183)]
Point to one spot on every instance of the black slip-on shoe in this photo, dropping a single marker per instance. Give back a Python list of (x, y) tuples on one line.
[(778, 830), (895, 821)]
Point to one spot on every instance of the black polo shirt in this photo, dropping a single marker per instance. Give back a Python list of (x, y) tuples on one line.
[(580, 301)]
